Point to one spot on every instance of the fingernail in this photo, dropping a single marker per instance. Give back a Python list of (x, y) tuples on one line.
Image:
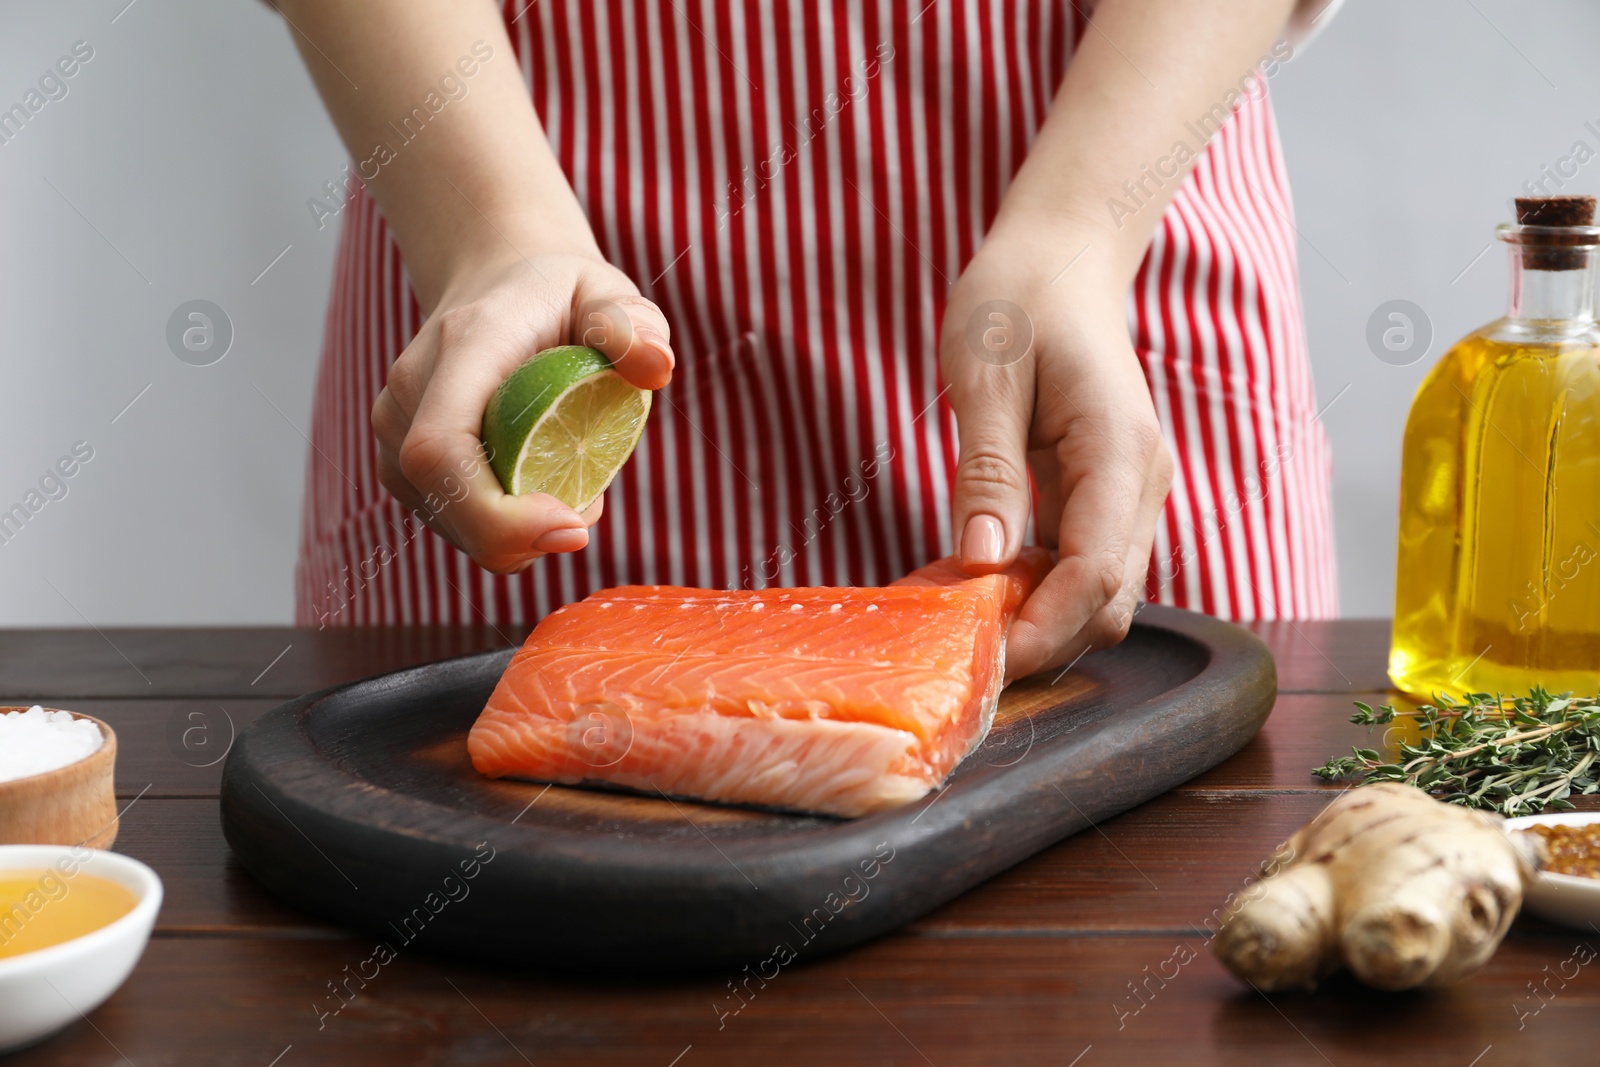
[(654, 339), (983, 542), (562, 540)]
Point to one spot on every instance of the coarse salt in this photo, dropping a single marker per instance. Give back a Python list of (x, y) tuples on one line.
[(35, 741)]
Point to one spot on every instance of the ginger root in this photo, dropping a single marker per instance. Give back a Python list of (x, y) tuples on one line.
[(1402, 889)]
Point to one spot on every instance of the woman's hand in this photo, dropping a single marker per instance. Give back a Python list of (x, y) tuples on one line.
[(486, 323), (1043, 377), (1074, 407), (1076, 402), (496, 247)]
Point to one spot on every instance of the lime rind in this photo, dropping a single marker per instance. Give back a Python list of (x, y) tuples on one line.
[(563, 423)]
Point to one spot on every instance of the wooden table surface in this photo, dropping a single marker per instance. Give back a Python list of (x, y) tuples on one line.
[(1092, 952)]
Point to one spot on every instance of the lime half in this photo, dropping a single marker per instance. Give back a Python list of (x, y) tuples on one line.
[(564, 423)]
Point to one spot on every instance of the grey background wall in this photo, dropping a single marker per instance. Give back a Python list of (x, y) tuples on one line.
[(178, 164)]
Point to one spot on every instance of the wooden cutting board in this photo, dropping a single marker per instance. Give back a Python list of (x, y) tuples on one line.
[(359, 804)]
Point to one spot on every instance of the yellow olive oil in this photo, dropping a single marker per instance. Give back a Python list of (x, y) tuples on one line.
[(1498, 579), (42, 908)]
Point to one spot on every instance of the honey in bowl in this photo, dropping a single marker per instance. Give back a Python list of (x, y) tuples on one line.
[(42, 908)]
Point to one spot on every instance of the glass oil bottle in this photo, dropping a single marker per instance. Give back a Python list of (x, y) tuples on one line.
[(1498, 585)]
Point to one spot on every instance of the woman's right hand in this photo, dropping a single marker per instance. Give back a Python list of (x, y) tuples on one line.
[(429, 416)]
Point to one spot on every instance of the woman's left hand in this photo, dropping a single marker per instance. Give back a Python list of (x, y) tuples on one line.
[(1042, 376)]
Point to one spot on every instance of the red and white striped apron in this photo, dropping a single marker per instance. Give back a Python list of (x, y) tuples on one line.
[(800, 232)]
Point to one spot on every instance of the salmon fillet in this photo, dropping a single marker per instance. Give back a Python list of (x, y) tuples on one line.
[(843, 701)]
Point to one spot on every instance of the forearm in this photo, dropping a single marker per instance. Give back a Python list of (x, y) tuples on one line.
[(1148, 78), (428, 99)]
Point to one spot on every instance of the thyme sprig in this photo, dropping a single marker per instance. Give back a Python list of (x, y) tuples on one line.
[(1517, 757)]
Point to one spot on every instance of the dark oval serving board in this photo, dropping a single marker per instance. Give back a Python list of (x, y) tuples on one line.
[(359, 804)]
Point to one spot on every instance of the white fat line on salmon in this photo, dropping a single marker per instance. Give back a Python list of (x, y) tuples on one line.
[(784, 953), (917, 652), (453, 889)]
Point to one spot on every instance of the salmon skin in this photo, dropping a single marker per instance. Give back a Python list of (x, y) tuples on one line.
[(841, 701)]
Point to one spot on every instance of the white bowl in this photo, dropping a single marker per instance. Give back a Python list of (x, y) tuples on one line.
[(1562, 898), (43, 991)]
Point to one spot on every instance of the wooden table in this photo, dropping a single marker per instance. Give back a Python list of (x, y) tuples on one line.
[(1093, 952)]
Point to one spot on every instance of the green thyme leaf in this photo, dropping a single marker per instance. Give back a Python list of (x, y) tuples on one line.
[(1521, 755)]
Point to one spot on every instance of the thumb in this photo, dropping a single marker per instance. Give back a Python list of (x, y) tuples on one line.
[(628, 330), (994, 408)]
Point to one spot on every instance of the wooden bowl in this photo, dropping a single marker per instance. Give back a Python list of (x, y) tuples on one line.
[(71, 805)]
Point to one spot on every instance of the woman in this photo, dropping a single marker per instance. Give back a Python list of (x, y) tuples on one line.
[(785, 210)]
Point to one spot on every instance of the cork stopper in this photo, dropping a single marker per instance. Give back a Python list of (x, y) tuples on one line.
[(1555, 210), (1546, 253)]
